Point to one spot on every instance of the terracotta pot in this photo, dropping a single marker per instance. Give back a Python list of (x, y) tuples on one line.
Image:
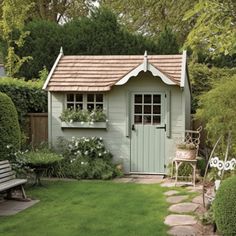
[(186, 154)]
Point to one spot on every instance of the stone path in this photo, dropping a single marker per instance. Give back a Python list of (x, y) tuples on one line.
[(176, 199), (11, 207), (185, 207)]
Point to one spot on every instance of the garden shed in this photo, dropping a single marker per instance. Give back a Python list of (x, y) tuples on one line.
[(146, 99)]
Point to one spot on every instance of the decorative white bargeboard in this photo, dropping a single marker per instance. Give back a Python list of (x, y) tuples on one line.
[(84, 125)]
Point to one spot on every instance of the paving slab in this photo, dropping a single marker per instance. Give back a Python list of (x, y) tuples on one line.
[(184, 207), (185, 231), (12, 207), (176, 199), (199, 200), (168, 184), (171, 192), (180, 220), (147, 181), (123, 180)]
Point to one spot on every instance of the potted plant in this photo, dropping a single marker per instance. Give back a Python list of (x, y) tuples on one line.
[(186, 151)]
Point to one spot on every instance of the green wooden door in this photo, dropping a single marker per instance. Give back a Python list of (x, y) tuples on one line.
[(148, 133)]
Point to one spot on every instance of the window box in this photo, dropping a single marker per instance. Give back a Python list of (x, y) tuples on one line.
[(84, 125)]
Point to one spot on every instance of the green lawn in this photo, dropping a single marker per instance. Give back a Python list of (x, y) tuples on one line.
[(91, 208)]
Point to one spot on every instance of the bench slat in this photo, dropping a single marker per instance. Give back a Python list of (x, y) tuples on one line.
[(7, 178), (11, 184), (5, 170), (4, 162), (9, 173), (5, 166)]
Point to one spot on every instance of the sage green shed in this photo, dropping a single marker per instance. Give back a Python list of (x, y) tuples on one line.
[(146, 98)]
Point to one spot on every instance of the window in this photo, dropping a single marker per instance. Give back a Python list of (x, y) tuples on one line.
[(147, 109), (88, 101)]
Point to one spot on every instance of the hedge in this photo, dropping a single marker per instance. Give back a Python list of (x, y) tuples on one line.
[(27, 96), (10, 134), (224, 207)]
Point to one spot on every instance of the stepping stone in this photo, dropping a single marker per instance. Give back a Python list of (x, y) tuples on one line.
[(168, 184), (184, 207), (184, 231), (180, 220), (176, 199), (199, 200), (171, 192)]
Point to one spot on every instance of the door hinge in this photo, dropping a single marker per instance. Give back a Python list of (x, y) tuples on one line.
[(165, 95), (162, 127), (165, 166)]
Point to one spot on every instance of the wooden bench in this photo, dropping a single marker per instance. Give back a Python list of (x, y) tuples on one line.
[(8, 180)]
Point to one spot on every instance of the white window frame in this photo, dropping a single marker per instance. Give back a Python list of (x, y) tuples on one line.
[(84, 101)]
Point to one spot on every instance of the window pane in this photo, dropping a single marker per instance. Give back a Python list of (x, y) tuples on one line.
[(99, 106), (79, 98), (70, 97), (156, 98), (147, 109), (156, 109), (90, 97), (138, 109), (90, 107), (156, 119), (147, 98), (79, 106), (70, 105), (138, 98), (138, 119), (147, 119), (99, 97)]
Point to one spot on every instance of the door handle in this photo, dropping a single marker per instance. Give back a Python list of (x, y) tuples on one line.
[(162, 127), (133, 127)]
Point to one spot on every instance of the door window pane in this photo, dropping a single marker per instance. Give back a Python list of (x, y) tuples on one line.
[(79, 106), (79, 98), (90, 107), (99, 97), (147, 109), (147, 120), (156, 109), (99, 106), (156, 98), (138, 109), (156, 119), (70, 105), (147, 98), (138, 119), (138, 98)]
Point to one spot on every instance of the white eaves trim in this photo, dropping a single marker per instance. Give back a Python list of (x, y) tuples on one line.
[(145, 66), (52, 70), (183, 69)]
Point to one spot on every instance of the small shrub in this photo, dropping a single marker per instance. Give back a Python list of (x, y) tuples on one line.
[(85, 158), (224, 207), (10, 134)]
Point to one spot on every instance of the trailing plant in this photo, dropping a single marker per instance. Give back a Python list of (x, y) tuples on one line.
[(186, 146), (9, 126), (70, 115), (85, 158)]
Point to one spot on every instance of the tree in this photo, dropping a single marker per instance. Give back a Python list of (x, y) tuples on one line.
[(214, 32), (152, 16), (217, 109), (14, 15)]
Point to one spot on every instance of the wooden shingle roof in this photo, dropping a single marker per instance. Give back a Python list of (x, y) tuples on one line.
[(100, 73)]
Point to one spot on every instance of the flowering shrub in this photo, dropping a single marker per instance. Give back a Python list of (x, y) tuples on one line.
[(70, 115), (86, 158)]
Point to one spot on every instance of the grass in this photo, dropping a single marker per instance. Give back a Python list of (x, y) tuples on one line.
[(91, 208)]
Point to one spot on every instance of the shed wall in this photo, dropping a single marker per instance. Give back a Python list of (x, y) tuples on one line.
[(116, 137)]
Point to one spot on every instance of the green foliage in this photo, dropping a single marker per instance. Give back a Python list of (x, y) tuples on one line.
[(70, 115), (43, 44), (14, 15), (27, 96), (217, 109), (150, 17), (9, 126), (41, 157), (224, 207), (202, 78), (214, 31), (207, 218), (85, 158)]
